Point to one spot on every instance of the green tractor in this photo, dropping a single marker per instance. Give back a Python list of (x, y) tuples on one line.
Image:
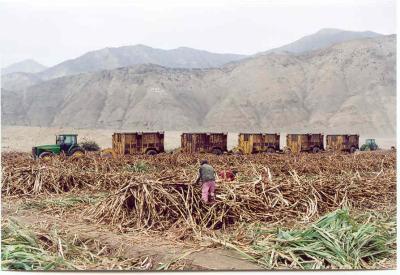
[(65, 144), (369, 145)]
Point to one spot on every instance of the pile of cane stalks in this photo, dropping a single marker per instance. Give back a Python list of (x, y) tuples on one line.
[(159, 192)]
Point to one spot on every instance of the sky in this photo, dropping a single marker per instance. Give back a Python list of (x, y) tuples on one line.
[(51, 31)]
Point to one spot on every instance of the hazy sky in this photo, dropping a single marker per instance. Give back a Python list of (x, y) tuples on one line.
[(53, 31)]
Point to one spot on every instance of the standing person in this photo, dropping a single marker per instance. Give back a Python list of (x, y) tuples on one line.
[(207, 179)]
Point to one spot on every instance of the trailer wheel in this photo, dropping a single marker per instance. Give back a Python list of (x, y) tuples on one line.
[(315, 150), (237, 152), (270, 150), (151, 152), (353, 149), (216, 151)]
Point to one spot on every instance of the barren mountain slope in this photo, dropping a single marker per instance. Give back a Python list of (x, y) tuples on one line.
[(322, 39), (349, 87), (111, 58), (18, 81), (183, 57), (25, 66)]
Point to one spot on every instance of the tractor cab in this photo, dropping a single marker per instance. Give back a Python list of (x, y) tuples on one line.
[(370, 142), (369, 145), (65, 143)]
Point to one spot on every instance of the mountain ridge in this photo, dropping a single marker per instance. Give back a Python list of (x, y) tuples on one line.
[(24, 66), (115, 57), (184, 57), (331, 89), (323, 38)]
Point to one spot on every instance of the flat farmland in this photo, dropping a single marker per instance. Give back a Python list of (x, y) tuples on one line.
[(306, 211)]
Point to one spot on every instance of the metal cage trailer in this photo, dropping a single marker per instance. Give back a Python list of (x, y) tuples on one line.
[(215, 143), (250, 143), (297, 143), (150, 143), (347, 143)]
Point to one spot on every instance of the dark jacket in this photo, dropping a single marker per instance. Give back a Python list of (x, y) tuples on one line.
[(206, 173)]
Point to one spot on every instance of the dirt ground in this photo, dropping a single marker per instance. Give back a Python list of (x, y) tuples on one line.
[(22, 138), (160, 248)]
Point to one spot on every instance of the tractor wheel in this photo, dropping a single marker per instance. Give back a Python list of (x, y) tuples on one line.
[(353, 149), (108, 153), (151, 152), (46, 155), (77, 153), (270, 150), (236, 152), (287, 150), (239, 152), (315, 150), (216, 151)]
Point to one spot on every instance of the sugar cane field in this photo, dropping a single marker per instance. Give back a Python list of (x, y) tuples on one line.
[(282, 211)]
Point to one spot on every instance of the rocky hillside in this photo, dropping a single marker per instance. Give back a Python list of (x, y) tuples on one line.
[(348, 87), (25, 66), (111, 58), (322, 39), (19, 81)]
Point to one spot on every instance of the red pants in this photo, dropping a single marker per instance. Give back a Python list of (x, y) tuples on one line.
[(207, 189)]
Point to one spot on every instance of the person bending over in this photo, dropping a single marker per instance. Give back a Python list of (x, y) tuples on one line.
[(207, 179)]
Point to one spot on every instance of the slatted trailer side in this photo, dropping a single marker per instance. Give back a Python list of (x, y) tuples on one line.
[(250, 143), (138, 143), (215, 143)]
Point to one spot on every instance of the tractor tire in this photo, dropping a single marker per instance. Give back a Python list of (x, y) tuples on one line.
[(77, 152), (315, 150), (216, 151), (237, 152), (151, 152), (46, 155), (287, 150), (353, 150), (270, 150)]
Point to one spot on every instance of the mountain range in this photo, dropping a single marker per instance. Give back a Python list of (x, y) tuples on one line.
[(30, 72), (344, 87), (25, 66)]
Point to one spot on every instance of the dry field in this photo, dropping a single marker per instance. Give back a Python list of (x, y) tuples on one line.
[(307, 211)]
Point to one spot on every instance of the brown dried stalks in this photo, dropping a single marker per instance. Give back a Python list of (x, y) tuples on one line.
[(159, 193)]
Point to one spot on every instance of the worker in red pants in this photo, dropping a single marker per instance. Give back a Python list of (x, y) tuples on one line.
[(207, 179)]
